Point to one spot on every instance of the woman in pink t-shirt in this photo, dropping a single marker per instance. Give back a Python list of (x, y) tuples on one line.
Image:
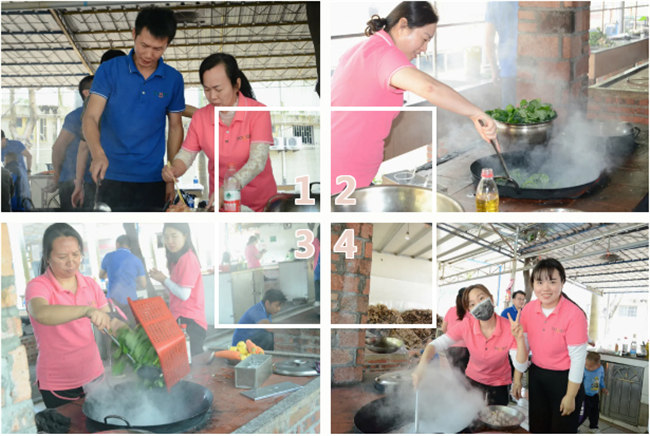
[(489, 339), (62, 306), (376, 72), (244, 137), (185, 283), (253, 255), (457, 354), (556, 329)]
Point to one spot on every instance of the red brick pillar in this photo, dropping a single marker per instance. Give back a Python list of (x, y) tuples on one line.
[(17, 406), (347, 356), (351, 277), (553, 54), (298, 340)]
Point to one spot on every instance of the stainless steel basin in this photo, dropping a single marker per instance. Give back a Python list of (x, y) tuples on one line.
[(391, 198), (445, 203)]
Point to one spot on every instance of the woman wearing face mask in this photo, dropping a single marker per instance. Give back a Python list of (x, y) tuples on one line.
[(62, 306), (244, 137), (556, 329), (185, 283), (489, 339), (376, 72)]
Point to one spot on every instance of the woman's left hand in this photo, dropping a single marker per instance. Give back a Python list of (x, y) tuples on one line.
[(157, 275), (486, 127), (567, 405)]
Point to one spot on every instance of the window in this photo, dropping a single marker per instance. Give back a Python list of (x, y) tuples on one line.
[(617, 22), (305, 132), (42, 129), (627, 311)]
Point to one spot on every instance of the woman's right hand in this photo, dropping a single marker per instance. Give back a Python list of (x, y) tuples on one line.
[(516, 389), (417, 376), (486, 127), (100, 319)]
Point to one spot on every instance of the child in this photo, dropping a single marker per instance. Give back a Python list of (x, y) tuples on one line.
[(594, 381)]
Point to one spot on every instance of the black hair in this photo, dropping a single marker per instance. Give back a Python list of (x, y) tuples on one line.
[(469, 289), (51, 233), (593, 356), (252, 239), (3, 134), (110, 54), (273, 295), (417, 14), (85, 83), (172, 258), (160, 22), (123, 240), (226, 257), (460, 309), (232, 71), (517, 293), (545, 267)]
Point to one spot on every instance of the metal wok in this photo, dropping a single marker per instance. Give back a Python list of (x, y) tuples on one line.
[(530, 163), (127, 405)]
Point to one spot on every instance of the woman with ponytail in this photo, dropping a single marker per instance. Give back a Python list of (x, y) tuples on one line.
[(244, 137), (376, 72), (556, 329)]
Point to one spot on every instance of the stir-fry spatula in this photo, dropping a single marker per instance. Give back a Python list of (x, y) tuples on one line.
[(100, 206), (417, 420), (116, 342), (508, 178)]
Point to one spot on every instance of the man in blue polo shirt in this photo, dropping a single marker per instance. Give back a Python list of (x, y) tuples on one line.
[(64, 154), (22, 168), (133, 96), (125, 273), (518, 302), (260, 313)]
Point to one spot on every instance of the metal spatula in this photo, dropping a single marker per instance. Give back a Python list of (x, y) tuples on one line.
[(417, 403), (494, 145)]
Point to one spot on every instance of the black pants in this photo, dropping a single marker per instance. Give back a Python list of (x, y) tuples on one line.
[(196, 333), (458, 357), (132, 197), (496, 395), (546, 390), (592, 407), (263, 339), (65, 196), (54, 399)]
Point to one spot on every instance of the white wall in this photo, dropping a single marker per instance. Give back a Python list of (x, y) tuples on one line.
[(400, 282)]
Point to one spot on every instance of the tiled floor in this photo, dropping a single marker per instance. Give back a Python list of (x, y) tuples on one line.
[(603, 428)]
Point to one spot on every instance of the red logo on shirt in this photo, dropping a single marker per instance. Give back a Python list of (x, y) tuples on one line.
[(239, 138), (558, 330), (500, 348)]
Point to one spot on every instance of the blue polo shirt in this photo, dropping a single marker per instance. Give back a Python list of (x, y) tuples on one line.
[(253, 315), (17, 147), (72, 124), (512, 310), (132, 130), (122, 268)]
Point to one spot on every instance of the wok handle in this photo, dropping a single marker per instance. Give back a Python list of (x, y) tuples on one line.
[(636, 131), (107, 417)]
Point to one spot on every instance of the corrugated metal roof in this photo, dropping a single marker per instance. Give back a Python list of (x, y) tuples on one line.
[(54, 44)]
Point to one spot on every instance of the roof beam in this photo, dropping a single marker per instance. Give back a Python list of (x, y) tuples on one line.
[(207, 27), (64, 28), (388, 237)]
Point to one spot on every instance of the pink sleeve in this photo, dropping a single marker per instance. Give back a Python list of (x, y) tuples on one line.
[(37, 288), (577, 328), (260, 125), (391, 62), (457, 332), (193, 139), (448, 317), (186, 271)]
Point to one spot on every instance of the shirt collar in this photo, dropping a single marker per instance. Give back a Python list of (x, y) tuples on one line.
[(476, 327), (556, 309), (81, 283), (134, 70), (386, 37)]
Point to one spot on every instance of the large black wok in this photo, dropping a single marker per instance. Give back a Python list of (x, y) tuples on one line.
[(568, 183), (184, 408)]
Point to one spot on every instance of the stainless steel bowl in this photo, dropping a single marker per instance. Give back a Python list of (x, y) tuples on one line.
[(518, 136), (492, 415), (445, 203), (389, 198)]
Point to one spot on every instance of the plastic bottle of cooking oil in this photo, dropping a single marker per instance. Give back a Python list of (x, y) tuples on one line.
[(231, 191), (487, 193)]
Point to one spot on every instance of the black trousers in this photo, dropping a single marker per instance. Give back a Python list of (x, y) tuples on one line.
[(54, 399), (263, 339), (592, 408), (196, 333), (546, 390), (496, 395), (458, 357), (132, 197), (65, 196)]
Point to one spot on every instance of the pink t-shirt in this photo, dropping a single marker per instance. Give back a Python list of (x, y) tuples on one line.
[(488, 358), (187, 273), (451, 318), (252, 254), (68, 356), (234, 148), (200, 137), (549, 337), (362, 78)]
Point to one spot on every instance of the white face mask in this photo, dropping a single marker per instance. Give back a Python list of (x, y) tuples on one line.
[(483, 311)]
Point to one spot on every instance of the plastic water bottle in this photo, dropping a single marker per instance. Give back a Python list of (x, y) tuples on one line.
[(633, 346), (231, 191), (487, 192), (187, 343), (195, 181)]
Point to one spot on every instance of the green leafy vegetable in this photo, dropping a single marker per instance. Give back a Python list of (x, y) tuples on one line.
[(528, 112), (137, 343)]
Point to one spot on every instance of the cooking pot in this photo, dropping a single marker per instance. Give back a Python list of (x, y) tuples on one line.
[(129, 405), (388, 198), (524, 136), (287, 202), (618, 138), (445, 203), (502, 418), (381, 344)]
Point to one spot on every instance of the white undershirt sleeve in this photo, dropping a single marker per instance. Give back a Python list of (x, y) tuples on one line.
[(578, 355), (186, 156), (257, 157), (181, 292), (442, 343), (521, 367)]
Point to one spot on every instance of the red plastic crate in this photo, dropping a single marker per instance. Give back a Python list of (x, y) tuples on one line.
[(166, 337)]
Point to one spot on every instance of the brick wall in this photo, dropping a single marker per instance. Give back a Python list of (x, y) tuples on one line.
[(348, 350), (17, 406), (553, 54), (375, 363), (299, 340), (619, 105), (351, 277)]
